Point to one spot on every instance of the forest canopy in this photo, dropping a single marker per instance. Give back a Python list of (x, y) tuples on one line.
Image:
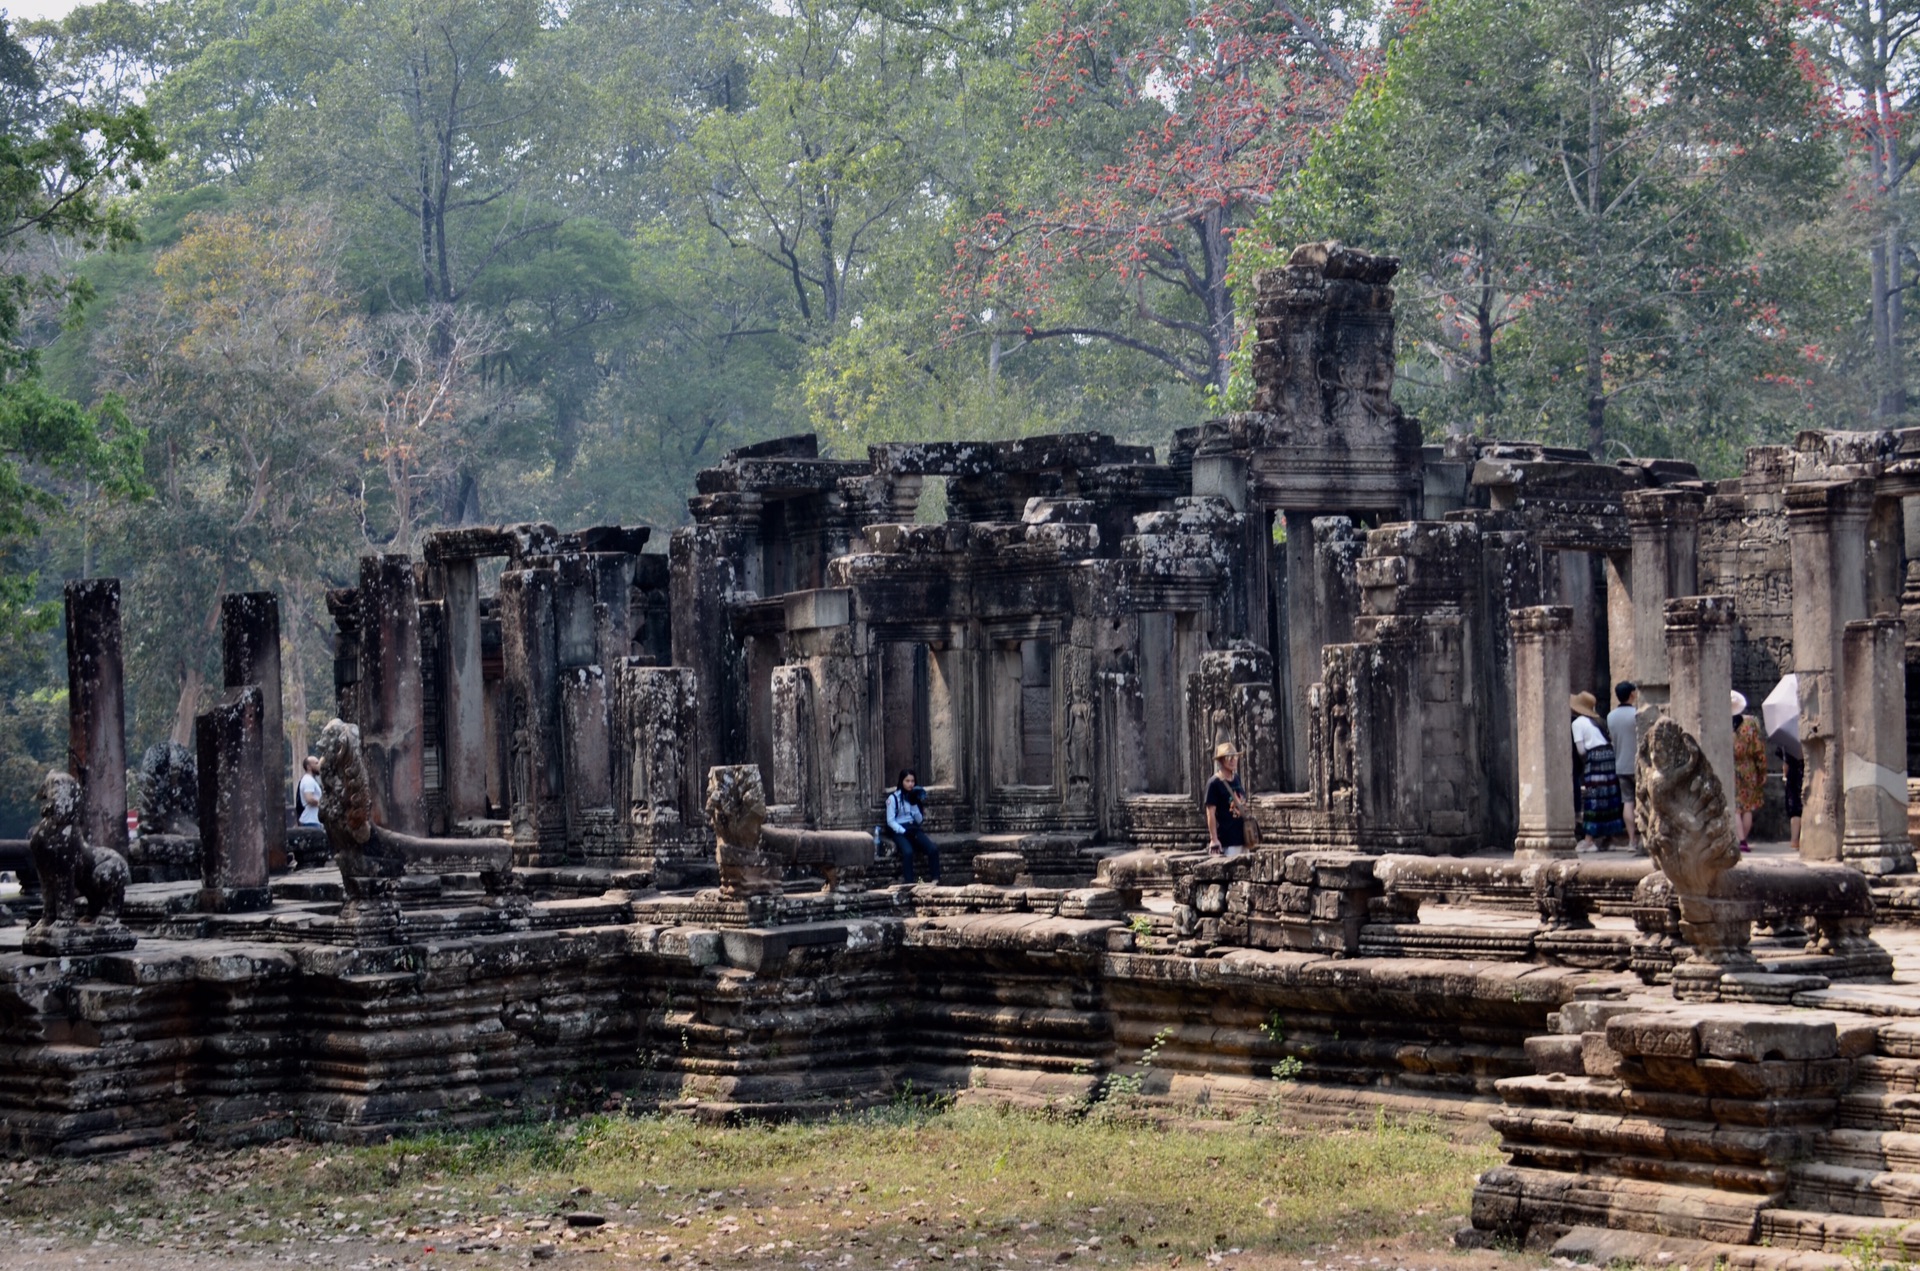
[(286, 281)]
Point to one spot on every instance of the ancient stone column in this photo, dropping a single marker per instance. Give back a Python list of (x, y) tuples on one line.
[(464, 709), (1827, 533), (1874, 827), (656, 782), (250, 654), (96, 710), (1699, 639), (392, 731), (536, 780), (795, 775), (233, 841), (1542, 653), (591, 825), (1664, 525)]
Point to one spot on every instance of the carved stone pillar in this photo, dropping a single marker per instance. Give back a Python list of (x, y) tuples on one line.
[(1827, 531), (233, 841), (656, 782), (250, 654), (464, 707), (535, 777), (392, 727), (796, 794), (592, 827), (96, 710), (1699, 641), (1664, 525), (1542, 653), (1874, 827)]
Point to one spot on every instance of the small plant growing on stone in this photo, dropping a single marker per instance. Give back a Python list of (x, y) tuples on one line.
[(1127, 1086), (1868, 1252), (1142, 928), (1274, 1028), (1288, 1068)]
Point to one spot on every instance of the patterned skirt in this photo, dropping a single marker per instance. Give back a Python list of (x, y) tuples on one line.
[(1602, 814)]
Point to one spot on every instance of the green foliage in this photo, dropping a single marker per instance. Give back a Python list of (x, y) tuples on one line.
[(62, 164), (1597, 203)]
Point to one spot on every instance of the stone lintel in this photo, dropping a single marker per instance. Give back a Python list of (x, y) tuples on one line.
[(821, 607)]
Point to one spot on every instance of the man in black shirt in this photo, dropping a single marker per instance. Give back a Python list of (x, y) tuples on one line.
[(1226, 803)]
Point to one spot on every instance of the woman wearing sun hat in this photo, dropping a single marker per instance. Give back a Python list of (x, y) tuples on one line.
[(1749, 767), (1601, 810)]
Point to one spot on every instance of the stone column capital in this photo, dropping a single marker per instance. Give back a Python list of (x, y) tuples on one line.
[(1690, 613), (1663, 506), (1536, 621)]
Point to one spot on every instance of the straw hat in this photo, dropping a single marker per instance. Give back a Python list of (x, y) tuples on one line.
[(1224, 750), (1584, 704), (1739, 702)]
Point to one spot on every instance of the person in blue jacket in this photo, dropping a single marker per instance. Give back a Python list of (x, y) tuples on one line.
[(906, 818)]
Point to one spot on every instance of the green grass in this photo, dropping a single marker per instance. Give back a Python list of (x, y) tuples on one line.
[(968, 1183)]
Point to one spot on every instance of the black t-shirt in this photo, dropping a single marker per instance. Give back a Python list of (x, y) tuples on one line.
[(1231, 826)]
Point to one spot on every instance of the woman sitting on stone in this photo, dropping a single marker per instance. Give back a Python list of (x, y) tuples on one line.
[(1602, 813), (906, 820)]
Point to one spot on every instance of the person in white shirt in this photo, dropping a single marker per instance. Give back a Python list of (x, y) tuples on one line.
[(1600, 811), (310, 792), (1623, 725)]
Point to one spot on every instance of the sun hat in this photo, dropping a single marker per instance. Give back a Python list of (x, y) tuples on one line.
[(1584, 704), (1739, 702), (1223, 750)]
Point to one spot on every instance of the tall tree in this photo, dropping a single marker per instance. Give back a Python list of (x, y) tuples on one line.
[(1195, 116), (247, 365), (1869, 68), (63, 162), (1588, 191)]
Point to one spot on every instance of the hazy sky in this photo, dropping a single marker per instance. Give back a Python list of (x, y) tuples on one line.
[(36, 8)]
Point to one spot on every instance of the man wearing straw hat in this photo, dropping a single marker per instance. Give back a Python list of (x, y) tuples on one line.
[(1226, 803)]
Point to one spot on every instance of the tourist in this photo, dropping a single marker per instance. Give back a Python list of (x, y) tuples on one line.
[(1749, 767), (1226, 803), (309, 793), (906, 818), (1796, 791), (1623, 723), (1601, 819)]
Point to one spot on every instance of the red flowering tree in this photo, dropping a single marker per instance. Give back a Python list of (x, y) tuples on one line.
[(1173, 124)]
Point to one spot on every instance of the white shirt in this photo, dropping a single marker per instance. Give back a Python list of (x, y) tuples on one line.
[(1587, 734), (309, 806)]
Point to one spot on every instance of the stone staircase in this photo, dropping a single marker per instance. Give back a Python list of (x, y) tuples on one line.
[(1780, 1135), (1860, 1184)]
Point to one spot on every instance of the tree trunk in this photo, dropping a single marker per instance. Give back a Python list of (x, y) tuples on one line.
[(1215, 248), (193, 678), (1595, 315), (293, 707)]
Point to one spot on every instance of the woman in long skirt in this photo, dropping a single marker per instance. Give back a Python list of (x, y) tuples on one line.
[(1602, 813)]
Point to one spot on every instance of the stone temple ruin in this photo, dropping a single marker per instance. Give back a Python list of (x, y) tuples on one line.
[(594, 812)]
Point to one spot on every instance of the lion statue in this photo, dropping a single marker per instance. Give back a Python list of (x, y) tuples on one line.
[(69, 867), (346, 813)]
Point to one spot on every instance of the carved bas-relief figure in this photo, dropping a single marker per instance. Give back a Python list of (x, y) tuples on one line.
[(753, 856), (371, 857), (70, 869)]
